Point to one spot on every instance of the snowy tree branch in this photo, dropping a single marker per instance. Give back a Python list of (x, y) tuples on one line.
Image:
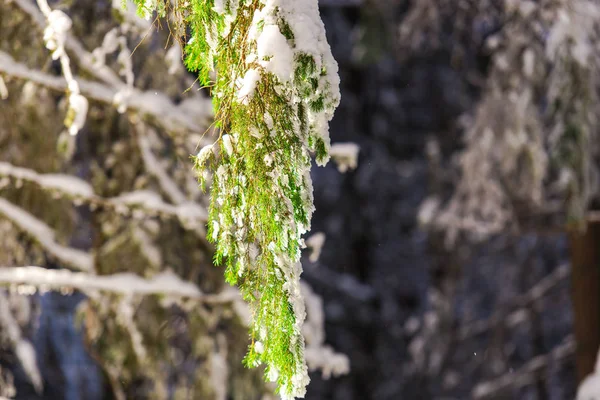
[(166, 283), (44, 235), (176, 118), (148, 203), (154, 167), (514, 312), (23, 348), (526, 374)]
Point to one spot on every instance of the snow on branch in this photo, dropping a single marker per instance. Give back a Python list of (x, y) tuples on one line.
[(166, 283), (104, 74), (44, 235), (154, 167), (514, 313), (191, 215), (23, 348), (55, 34), (176, 118), (69, 185), (318, 355), (527, 373)]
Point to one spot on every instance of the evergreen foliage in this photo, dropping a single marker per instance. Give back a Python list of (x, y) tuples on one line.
[(274, 86)]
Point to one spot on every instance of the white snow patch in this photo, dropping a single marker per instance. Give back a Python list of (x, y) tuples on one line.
[(275, 54), (79, 107), (315, 242), (227, 143), (249, 83), (345, 155)]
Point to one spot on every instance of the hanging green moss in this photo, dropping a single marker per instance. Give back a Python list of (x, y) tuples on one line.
[(274, 86)]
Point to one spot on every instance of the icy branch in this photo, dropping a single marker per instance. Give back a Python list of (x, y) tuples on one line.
[(345, 155), (44, 235), (165, 283)]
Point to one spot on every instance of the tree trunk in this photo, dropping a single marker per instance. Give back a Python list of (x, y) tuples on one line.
[(585, 264)]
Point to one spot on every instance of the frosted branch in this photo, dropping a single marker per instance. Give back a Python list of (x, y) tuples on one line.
[(157, 105), (44, 235), (154, 167), (85, 59), (191, 215), (126, 283), (23, 348), (318, 355), (55, 35)]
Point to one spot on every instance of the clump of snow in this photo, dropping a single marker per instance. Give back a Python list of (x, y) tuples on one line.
[(219, 6), (219, 371), (204, 153), (23, 349), (55, 33), (249, 83), (318, 355), (227, 143), (345, 155), (315, 242), (110, 43), (274, 53), (3, 89), (79, 107)]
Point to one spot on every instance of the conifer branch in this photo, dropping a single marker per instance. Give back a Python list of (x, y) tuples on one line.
[(275, 87)]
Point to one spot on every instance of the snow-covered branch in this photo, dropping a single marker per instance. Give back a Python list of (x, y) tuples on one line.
[(166, 283), (44, 235), (527, 373), (514, 313), (318, 355), (175, 118), (23, 348), (154, 167), (148, 203), (55, 34)]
